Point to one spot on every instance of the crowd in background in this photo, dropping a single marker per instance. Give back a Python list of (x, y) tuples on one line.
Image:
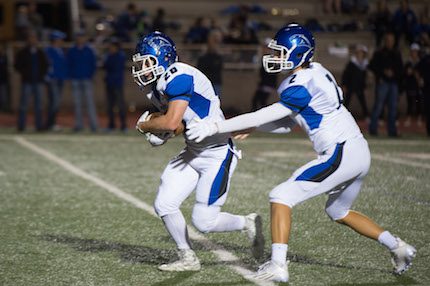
[(52, 66), (393, 77)]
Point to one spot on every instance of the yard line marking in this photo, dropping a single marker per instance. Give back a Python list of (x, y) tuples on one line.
[(413, 156), (388, 158), (222, 254)]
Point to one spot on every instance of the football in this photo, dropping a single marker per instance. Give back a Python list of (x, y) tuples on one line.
[(166, 135)]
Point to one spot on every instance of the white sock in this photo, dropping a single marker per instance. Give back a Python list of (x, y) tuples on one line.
[(388, 240), (177, 227), (229, 222), (279, 253)]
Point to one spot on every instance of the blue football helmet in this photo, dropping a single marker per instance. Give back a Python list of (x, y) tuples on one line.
[(293, 45), (154, 54)]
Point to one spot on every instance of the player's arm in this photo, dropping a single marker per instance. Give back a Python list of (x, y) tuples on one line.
[(281, 126), (170, 121), (199, 130)]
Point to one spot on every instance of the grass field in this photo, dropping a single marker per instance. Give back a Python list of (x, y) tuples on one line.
[(72, 210)]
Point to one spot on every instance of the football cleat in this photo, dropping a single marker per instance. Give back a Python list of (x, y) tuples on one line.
[(254, 230), (402, 257), (188, 261), (271, 271)]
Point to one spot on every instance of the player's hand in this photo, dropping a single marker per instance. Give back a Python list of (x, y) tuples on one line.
[(199, 129), (156, 140), (242, 134), (144, 117)]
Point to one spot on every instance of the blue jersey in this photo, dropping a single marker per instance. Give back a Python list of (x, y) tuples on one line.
[(184, 82), (316, 99)]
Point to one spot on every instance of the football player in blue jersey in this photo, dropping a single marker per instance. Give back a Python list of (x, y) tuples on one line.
[(181, 93), (310, 98)]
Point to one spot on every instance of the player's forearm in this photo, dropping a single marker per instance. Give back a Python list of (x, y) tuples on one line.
[(159, 124), (265, 115), (281, 126)]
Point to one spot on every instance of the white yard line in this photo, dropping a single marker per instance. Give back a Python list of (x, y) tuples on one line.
[(222, 254), (391, 159)]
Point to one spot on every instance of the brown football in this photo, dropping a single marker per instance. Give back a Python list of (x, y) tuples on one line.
[(178, 130)]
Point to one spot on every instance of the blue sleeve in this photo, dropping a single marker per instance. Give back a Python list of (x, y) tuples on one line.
[(295, 98), (181, 87)]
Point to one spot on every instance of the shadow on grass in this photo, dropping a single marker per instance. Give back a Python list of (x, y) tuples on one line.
[(400, 280), (127, 252), (135, 254), (155, 256)]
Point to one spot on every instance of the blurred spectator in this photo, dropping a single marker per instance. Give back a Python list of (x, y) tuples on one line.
[(22, 23), (404, 22), (381, 21), (81, 61), (313, 25), (114, 65), (56, 76), (32, 64), (424, 71), (5, 100), (387, 66), (93, 5), (355, 6), (240, 30), (198, 33), (332, 6), (267, 84), (127, 22), (211, 63), (159, 23), (424, 42), (234, 9), (423, 26), (143, 25), (354, 78), (35, 19), (411, 86)]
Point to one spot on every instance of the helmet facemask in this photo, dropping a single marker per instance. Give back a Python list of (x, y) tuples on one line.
[(146, 69), (278, 62), (283, 59)]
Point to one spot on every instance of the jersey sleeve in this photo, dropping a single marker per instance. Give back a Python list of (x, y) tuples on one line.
[(295, 98), (180, 87)]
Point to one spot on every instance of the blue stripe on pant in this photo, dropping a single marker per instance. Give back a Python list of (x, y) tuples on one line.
[(220, 183), (320, 172)]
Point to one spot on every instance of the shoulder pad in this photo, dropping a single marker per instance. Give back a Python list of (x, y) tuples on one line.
[(176, 82)]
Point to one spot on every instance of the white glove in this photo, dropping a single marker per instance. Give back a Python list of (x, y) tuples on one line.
[(144, 117), (198, 129), (157, 140)]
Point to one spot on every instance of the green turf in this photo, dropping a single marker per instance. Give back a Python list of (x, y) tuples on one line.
[(59, 229)]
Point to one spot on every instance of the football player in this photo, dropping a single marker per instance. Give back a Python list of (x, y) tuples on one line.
[(181, 93), (310, 96)]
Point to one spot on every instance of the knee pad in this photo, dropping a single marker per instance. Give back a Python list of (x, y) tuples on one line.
[(204, 217), (275, 196), (336, 213), (164, 207)]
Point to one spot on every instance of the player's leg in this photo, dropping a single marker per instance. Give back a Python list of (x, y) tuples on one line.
[(177, 182), (282, 199), (212, 189), (338, 207), (317, 177)]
